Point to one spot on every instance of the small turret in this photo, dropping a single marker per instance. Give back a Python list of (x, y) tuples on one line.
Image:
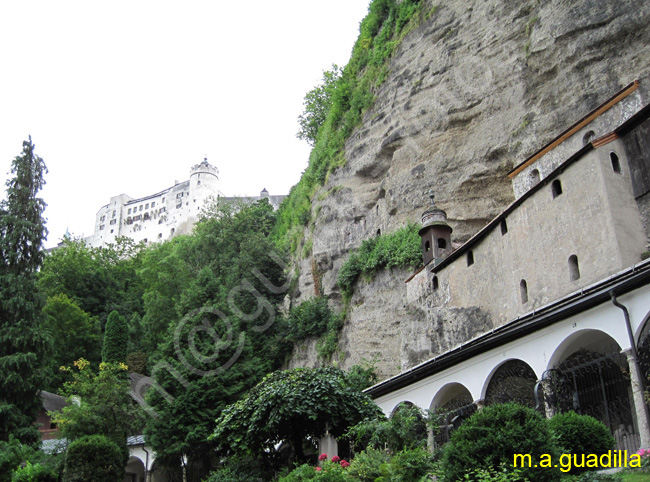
[(435, 234)]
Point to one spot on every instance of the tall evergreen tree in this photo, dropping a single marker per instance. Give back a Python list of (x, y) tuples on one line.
[(22, 346), (116, 339)]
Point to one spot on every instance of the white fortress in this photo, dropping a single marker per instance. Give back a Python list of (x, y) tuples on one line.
[(161, 216)]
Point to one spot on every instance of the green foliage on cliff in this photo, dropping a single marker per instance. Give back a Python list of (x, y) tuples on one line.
[(348, 97), (400, 249)]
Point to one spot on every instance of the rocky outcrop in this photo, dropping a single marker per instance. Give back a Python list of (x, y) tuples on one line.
[(472, 91)]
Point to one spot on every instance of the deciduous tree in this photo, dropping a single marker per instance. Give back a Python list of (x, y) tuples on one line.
[(292, 406)]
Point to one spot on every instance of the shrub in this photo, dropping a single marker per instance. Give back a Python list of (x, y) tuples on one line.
[(409, 465), (366, 466), (240, 469), (400, 249), (93, 457), (35, 473), (493, 435), (581, 434), (309, 318)]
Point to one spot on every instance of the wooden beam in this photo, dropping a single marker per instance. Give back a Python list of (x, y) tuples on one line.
[(576, 127)]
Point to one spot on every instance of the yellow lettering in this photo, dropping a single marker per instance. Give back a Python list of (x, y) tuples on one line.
[(635, 460), (592, 460), (522, 458), (575, 460), (545, 461), (565, 462), (606, 460)]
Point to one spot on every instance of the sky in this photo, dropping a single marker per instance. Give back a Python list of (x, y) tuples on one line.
[(125, 96)]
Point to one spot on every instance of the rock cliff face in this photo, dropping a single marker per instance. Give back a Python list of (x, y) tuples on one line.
[(473, 91)]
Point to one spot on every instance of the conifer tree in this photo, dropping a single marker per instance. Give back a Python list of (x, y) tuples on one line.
[(116, 339), (22, 346)]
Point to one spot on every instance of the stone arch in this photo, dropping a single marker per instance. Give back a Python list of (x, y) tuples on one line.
[(511, 381), (404, 403), (453, 404), (135, 470), (588, 374)]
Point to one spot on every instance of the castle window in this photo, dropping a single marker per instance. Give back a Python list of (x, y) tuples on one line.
[(146, 216), (616, 163), (112, 222), (442, 243), (434, 283), (129, 220), (102, 219), (470, 258), (588, 137), (111, 231), (163, 199), (574, 269), (534, 177), (427, 246), (504, 227), (379, 232), (145, 240), (173, 230), (523, 290), (114, 213), (556, 188), (159, 235), (101, 228), (146, 206), (129, 211), (198, 183), (141, 207)]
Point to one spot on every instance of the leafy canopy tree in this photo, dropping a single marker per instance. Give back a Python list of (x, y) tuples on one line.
[(291, 406), (74, 334), (210, 302), (317, 105), (116, 339), (99, 281), (99, 404), (22, 345)]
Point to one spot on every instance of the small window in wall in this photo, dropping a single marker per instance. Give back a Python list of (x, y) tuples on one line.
[(427, 246), (616, 163), (145, 240), (153, 204), (163, 199), (111, 231), (198, 183), (129, 211), (141, 207), (470, 258), (504, 227), (574, 269), (556, 188), (523, 290), (379, 232), (588, 137), (159, 235), (442, 243), (146, 206), (534, 177), (173, 230), (434, 283), (101, 228)]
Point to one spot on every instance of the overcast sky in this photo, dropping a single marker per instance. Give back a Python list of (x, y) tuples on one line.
[(125, 96)]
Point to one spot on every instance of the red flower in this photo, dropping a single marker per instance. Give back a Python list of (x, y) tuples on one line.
[(345, 463), (317, 469), (336, 459), (322, 457)]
